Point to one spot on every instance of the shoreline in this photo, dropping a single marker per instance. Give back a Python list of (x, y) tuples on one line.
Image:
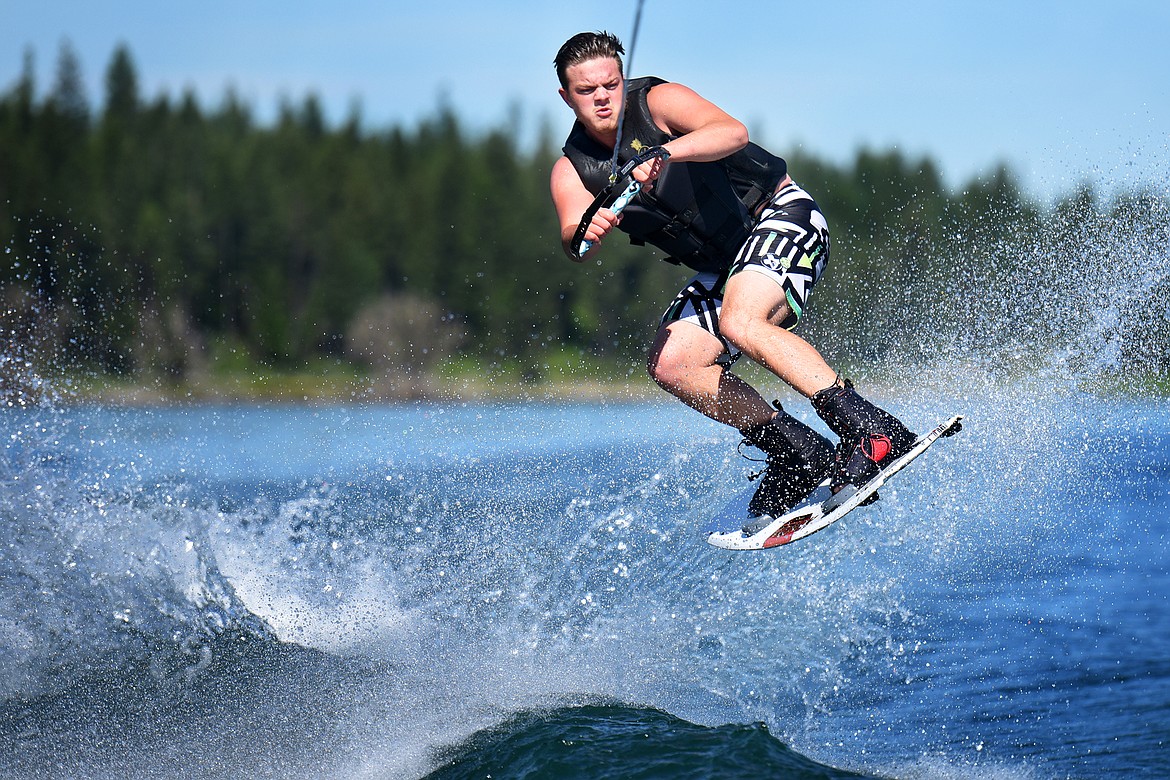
[(326, 389), (293, 390)]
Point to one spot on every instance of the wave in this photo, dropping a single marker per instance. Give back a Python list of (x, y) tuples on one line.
[(609, 739), (595, 738), (96, 581)]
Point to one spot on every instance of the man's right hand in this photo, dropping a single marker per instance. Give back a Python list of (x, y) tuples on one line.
[(603, 222)]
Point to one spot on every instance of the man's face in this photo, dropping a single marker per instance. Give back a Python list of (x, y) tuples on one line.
[(595, 95)]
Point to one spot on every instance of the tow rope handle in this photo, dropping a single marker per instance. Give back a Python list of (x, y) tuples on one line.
[(616, 197)]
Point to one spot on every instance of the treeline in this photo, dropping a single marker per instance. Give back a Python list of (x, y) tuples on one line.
[(157, 236)]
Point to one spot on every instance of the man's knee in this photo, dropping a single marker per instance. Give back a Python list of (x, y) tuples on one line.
[(745, 325), (680, 351), (665, 365), (735, 325)]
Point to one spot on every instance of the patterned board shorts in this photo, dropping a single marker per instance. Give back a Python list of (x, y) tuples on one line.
[(789, 244)]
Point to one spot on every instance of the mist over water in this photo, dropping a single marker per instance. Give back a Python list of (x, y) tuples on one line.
[(354, 591)]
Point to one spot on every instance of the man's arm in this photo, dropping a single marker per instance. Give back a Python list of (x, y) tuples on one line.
[(571, 200), (705, 131)]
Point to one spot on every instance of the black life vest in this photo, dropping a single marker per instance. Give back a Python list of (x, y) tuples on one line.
[(699, 213)]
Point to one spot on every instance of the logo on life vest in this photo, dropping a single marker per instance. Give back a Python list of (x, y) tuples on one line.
[(638, 146)]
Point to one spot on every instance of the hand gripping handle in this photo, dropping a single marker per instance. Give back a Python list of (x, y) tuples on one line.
[(616, 197)]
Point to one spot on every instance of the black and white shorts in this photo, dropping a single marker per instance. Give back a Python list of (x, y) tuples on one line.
[(789, 244)]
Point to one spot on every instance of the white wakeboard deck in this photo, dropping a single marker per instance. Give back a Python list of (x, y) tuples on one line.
[(735, 529)]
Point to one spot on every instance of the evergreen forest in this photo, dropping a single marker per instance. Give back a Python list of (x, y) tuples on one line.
[(160, 240)]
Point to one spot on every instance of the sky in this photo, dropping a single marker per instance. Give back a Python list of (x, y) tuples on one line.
[(1064, 92)]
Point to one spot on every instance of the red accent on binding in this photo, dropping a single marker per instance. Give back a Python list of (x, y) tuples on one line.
[(876, 447)]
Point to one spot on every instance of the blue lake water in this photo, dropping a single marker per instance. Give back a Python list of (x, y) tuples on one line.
[(523, 590)]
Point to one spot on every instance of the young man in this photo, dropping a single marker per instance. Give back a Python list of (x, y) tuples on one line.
[(727, 209)]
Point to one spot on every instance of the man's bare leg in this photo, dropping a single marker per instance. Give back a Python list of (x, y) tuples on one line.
[(753, 305), (683, 362)]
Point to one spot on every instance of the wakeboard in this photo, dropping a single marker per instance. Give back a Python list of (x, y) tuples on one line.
[(736, 529)]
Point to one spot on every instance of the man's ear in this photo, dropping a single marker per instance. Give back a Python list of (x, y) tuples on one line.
[(565, 97)]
